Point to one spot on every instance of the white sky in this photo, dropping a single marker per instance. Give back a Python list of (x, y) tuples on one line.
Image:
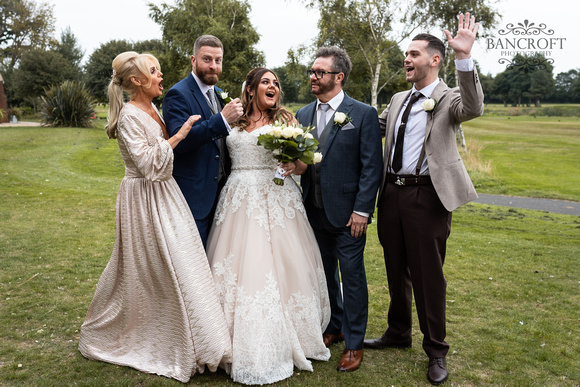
[(285, 24)]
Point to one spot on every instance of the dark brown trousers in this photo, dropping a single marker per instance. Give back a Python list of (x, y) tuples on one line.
[(413, 228)]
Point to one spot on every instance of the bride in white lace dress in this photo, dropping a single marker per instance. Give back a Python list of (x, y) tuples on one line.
[(263, 254)]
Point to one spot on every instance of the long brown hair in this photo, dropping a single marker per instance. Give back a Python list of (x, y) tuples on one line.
[(275, 113)]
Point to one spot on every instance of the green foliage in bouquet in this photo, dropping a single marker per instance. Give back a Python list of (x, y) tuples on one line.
[(68, 104), (291, 142)]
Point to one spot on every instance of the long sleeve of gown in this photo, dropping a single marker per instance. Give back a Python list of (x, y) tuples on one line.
[(152, 156)]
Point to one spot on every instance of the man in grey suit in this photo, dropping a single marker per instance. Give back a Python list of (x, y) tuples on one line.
[(423, 181), (340, 195)]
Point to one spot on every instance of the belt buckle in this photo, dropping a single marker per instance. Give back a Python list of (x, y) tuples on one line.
[(400, 182)]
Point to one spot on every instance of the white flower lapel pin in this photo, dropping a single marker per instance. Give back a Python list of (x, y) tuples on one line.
[(429, 105), (341, 119)]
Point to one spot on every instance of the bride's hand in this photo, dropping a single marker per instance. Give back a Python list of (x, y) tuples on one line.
[(296, 167)]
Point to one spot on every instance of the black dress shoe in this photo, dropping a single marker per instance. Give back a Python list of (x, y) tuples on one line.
[(382, 342), (437, 372)]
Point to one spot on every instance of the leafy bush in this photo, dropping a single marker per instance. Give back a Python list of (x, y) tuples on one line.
[(68, 104)]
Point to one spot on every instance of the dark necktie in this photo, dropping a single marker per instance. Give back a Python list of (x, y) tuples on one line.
[(398, 157)]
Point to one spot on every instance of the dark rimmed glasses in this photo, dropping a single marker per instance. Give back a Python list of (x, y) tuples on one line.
[(319, 73)]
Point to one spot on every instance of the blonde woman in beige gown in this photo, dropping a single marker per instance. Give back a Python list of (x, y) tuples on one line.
[(155, 308), (263, 253)]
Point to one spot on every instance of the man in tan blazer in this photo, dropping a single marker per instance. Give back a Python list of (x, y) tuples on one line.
[(423, 181)]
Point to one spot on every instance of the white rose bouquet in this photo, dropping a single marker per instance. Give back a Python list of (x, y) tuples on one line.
[(289, 143)]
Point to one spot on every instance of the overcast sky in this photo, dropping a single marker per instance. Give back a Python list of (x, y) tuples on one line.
[(284, 24)]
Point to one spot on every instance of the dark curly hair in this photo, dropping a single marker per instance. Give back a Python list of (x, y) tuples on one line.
[(275, 113)]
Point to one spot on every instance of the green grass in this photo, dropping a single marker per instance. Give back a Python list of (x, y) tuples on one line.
[(513, 275), (533, 157)]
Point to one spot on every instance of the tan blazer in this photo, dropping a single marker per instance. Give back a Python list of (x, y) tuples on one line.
[(454, 106)]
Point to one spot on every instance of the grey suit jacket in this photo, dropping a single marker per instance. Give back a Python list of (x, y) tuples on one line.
[(446, 168)]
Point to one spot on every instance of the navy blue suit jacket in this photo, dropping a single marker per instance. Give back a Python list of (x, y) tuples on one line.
[(197, 157), (351, 162)]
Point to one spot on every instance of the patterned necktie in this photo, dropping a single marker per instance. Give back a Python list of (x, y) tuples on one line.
[(322, 119), (398, 157), (211, 100)]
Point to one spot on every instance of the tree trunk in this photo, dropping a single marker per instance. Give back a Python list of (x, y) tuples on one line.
[(375, 84)]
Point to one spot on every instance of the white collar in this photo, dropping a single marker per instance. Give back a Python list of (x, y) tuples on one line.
[(335, 102)]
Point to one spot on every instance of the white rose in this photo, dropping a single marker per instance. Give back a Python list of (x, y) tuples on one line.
[(428, 105), (308, 135), (276, 132), (297, 132), (288, 132), (317, 157), (224, 95), (339, 117)]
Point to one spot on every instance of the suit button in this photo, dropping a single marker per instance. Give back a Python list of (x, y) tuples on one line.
[(217, 157), (215, 179)]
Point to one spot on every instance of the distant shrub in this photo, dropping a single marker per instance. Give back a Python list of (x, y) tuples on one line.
[(68, 104)]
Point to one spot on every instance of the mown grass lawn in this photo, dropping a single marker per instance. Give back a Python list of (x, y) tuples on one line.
[(527, 156), (513, 275)]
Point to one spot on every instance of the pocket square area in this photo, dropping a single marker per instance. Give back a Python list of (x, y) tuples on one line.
[(348, 126)]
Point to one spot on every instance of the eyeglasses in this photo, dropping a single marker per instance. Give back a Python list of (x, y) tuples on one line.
[(319, 73)]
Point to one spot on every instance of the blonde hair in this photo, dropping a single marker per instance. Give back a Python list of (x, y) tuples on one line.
[(125, 66)]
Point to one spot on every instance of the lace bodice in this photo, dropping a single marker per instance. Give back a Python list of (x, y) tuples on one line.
[(245, 152)]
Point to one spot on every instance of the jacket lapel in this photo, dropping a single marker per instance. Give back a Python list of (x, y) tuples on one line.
[(438, 94), (199, 97), (345, 107)]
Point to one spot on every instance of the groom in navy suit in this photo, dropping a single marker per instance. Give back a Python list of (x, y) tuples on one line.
[(340, 194), (201, 164)]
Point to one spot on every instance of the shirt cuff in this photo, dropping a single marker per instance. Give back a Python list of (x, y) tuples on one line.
[(464, 64), (226, 123), (365, 214)]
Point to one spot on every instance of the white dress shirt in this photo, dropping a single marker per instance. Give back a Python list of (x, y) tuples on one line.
[(333, 105)]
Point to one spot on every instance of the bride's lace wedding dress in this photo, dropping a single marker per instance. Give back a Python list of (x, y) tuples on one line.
[(267, 268)]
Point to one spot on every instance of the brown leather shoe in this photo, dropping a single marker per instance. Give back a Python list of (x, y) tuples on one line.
[(350, 360), (330, 339), (437, 372), (382, 342)]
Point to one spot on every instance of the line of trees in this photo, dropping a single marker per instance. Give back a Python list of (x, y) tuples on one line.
[(32, 60), (529, 80)]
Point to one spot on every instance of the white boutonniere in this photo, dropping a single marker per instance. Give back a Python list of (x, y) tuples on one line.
[(225, 97), (341, 119), (429, 104)]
